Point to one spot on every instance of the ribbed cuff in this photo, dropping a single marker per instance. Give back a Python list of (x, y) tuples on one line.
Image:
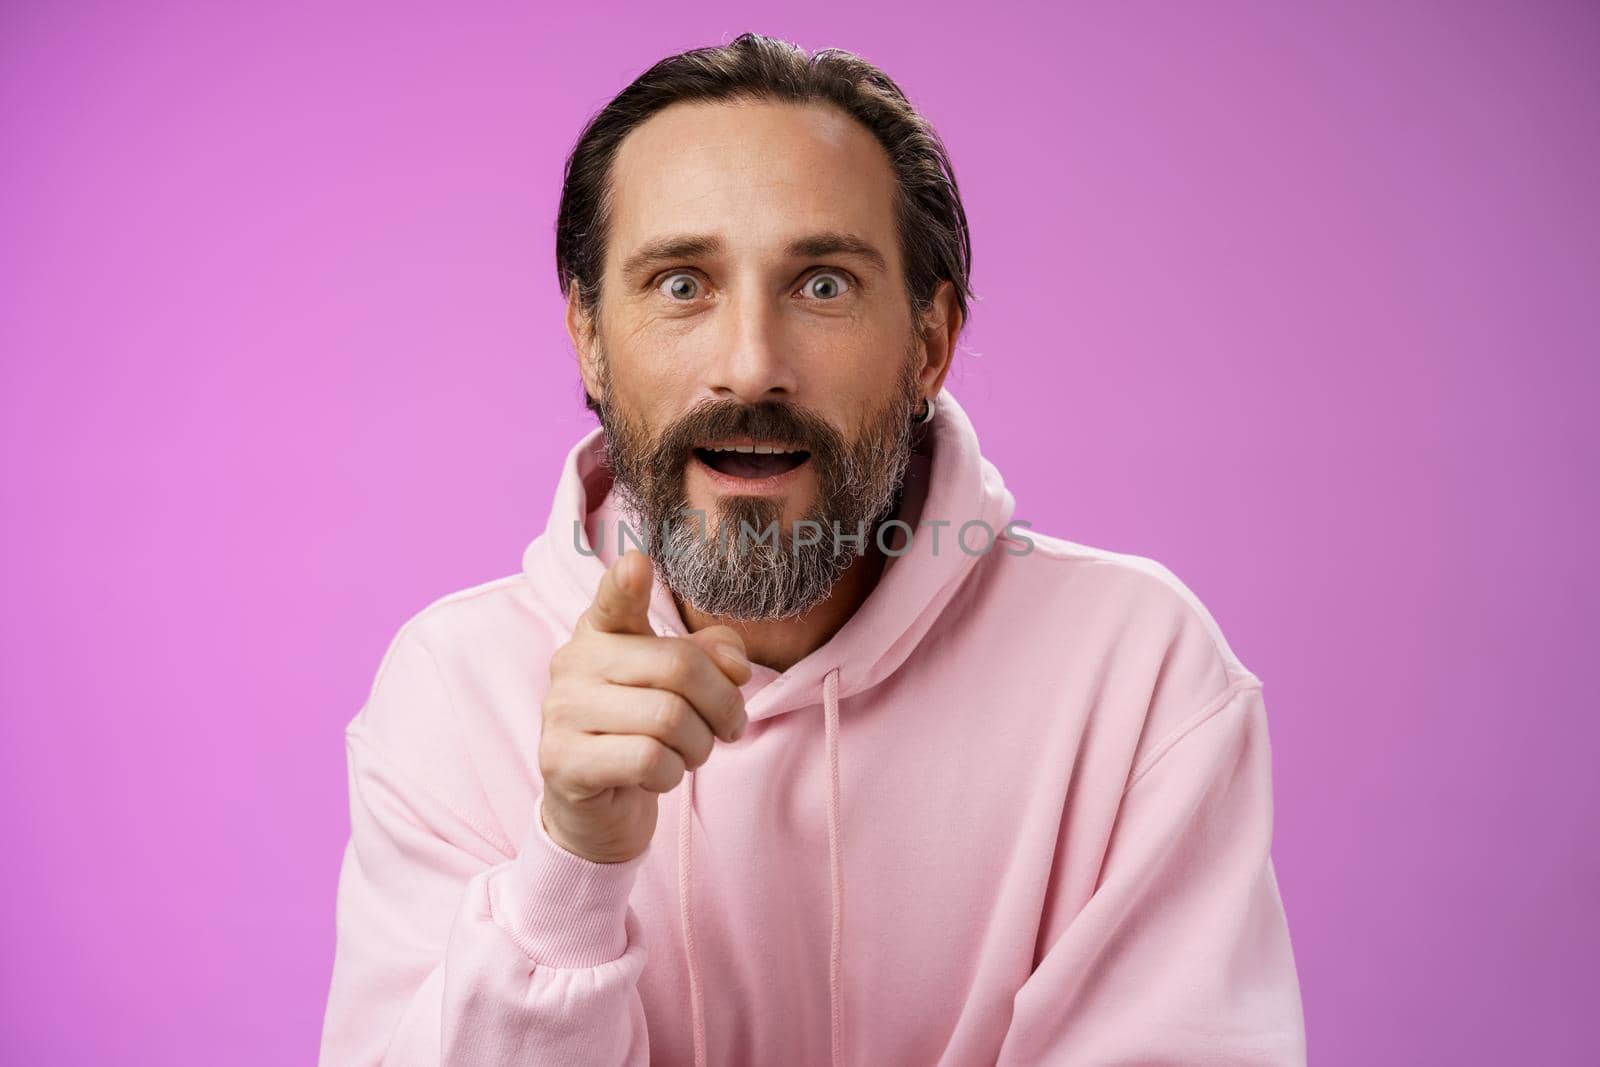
[(563, 910)]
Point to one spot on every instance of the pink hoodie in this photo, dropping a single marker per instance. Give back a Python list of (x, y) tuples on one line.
[(1018, 810)]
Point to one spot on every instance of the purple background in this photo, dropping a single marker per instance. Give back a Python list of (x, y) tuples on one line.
[(1301, 303)]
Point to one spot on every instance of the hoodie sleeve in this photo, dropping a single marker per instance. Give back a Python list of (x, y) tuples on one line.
[(450, 951), (1182, 954)]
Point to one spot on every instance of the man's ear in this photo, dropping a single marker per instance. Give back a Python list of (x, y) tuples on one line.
[(580, 329), (939, 327)]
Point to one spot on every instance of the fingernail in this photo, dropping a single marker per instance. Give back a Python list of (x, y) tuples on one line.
[(733, 653)]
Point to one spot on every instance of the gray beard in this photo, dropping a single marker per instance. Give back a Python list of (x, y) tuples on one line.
[(728, 565), (742, 572)]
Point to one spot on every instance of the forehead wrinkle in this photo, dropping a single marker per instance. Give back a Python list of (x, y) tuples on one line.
[(703, 177)]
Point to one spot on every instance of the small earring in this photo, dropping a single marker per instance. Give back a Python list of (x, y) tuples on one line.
[(927, 411)]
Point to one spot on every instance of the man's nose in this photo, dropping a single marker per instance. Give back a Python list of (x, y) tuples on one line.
[(752, 361)]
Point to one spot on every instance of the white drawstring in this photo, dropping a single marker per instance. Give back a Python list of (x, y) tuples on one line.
[(830, 728)]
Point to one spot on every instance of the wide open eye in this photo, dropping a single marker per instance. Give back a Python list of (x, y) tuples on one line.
[(834, 285), (680, 287)]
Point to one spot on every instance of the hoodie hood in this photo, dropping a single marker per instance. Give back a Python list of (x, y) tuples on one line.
[(948, 484), (1052, 809)]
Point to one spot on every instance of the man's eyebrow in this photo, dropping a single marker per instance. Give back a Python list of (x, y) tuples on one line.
[(697, 246), (667, 249), (836, 243)]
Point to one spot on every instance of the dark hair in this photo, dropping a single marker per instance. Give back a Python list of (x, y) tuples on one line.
[(934, 242)]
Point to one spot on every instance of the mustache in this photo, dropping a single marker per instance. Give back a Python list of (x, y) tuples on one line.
[(772, 420)]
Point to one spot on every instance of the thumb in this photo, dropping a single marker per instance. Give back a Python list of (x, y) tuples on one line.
[(726, 649)]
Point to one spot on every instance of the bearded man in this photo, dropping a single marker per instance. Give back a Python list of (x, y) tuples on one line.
[(835, 762)]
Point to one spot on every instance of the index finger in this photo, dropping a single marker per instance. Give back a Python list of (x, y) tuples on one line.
[(622, 602)]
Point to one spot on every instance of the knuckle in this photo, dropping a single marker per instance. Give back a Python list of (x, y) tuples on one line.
[(700, 750), (649, 757), (676, 776), (682, 661), (561, 659), (551, 758), (558, 708), (606, 600), (671, 712)]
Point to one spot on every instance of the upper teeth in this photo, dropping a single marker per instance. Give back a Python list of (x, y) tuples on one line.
[(760, 450)]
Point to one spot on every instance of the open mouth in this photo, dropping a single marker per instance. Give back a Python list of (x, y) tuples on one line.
[(751, 461)]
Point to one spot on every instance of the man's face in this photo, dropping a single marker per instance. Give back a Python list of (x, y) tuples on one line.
[(754, 296)]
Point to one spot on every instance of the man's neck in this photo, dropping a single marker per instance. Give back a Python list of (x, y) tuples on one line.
[(782, 643)]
